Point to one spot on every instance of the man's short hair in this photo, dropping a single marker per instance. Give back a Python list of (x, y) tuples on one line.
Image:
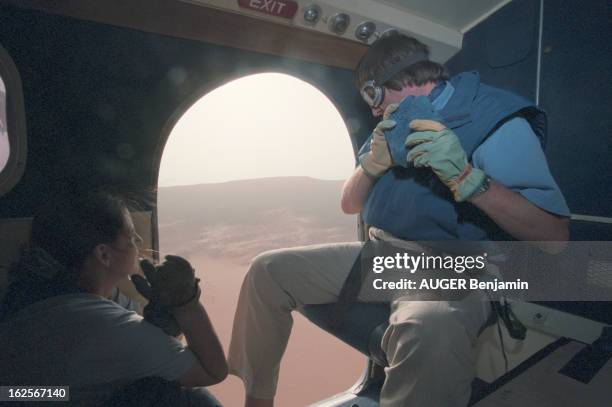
[(391, 49)]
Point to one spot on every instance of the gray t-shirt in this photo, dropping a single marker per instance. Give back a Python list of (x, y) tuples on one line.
[(89, 343)]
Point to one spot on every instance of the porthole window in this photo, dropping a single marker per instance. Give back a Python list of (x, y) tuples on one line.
[(12, 124), (230, 189)]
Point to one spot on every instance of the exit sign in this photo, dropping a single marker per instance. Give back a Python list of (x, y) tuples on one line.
[(277, 8)]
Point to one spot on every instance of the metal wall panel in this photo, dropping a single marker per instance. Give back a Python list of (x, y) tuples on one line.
[(577, 95), (575, 89), (503, 48)]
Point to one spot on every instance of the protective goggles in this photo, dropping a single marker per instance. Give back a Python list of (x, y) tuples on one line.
[(372, 94), (373, 91)]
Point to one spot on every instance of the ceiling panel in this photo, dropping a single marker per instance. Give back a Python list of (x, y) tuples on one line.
[(456, 14)]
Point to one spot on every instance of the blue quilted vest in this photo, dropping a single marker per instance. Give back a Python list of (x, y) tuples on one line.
[(412, 203)]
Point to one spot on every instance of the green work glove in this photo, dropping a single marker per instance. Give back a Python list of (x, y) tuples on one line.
[(378, 160), (167, 286), (433, 145)]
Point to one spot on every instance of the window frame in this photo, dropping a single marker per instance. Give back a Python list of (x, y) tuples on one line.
[(15, 124)]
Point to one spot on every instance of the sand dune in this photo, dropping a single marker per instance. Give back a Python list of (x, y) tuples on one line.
[(244, 218), (221, 227)]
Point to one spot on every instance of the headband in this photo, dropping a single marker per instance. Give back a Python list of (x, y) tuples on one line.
[(402, 63)]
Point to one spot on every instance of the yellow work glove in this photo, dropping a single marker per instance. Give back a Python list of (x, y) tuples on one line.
[(433, 145), (378, 160)]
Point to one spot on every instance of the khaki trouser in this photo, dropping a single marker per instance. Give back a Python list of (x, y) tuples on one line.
[(429, 344)]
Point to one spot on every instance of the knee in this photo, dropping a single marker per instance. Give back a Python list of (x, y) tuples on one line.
[(433, 336), (427, 322), (261, 262), (259, 269), (266, 280), (267, 267)]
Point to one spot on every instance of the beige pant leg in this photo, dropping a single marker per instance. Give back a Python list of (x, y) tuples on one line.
[(430, 349), (277, 283)]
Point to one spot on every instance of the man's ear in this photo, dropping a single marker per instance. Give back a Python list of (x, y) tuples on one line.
[(102, 253)]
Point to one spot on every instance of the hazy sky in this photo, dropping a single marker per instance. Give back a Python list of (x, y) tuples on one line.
[(263, 125)]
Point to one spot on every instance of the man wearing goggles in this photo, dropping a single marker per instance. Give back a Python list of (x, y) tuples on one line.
[(451, 174), (373, 91), (484, 146)]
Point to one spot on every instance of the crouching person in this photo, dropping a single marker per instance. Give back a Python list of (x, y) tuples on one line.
[(58, 326)]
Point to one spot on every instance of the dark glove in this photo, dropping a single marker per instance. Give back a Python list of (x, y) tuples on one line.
[(172, 283), (162, 318), (169, 285)]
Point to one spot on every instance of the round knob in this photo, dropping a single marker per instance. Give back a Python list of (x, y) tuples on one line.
[(312, 14), (365, 30), (339, 23)]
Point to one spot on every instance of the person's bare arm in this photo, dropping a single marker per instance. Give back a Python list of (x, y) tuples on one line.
[(522, 219), (204, 343), (433, 145), (355, 191), (174, 306)]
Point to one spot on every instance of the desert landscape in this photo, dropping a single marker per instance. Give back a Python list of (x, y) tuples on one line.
[(221, 227)]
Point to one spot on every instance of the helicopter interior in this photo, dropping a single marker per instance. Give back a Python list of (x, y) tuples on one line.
[(91, 99)]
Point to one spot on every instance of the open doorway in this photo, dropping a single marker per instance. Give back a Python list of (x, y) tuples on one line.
[(255, 165)]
